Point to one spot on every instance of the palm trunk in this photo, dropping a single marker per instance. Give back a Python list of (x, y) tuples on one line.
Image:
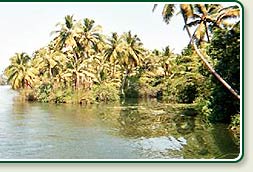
[(214, 73), (123, 83), (77, 81), (207, 35), (208, 66)]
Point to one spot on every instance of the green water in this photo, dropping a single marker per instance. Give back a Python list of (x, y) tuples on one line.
[(127, 130)]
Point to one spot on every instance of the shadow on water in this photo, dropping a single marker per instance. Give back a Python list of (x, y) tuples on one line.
[(130, 129), (157, 123)]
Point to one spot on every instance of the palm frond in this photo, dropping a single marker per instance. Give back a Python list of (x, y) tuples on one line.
[(187, 11), (168, 12)]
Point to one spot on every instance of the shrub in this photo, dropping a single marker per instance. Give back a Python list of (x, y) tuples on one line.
[(43, 91), (105, 92)]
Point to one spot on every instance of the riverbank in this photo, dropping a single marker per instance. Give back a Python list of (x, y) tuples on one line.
[(145, 129), (82, 98)]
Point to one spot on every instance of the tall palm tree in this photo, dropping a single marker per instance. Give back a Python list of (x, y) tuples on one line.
[(132, 55), (90, 36), (114, 51), (133, 50), (67, 34), (187, 12), (19, 73), (204, 15), (79, 42)]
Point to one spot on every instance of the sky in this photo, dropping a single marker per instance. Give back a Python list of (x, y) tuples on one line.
[(26, 27)]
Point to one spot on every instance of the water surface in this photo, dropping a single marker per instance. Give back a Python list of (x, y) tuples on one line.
[(127, 130)]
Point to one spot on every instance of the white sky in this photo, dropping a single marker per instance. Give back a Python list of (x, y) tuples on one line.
[(26, 27)]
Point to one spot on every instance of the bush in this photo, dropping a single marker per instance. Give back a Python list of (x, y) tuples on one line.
[(105, 92), (43, 91), (187, 93), (235, 120)]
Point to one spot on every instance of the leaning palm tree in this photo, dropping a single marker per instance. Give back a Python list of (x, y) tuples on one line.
[(208, 16), (19, 73), (187, 12), (204, 15)]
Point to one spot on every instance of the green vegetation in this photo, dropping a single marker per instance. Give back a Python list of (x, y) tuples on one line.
[(82, 65)]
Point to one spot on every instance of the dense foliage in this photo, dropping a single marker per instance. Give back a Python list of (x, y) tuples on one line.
[(225, 50), (82, 65)]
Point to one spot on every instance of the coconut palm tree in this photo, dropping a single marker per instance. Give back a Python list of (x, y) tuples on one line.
[(113, 51), (132, 55), (20, 74), (68, 33), (79, 71), (208, 16), (204, 15), (133, 50), (90, 37), (187, 12)]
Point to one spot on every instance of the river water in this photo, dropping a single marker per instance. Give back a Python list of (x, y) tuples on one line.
[(127, 130)]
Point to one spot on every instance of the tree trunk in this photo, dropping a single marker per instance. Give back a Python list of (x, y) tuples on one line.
[(77, 81), (214, 73), (123, 83), (207, 35), (208, 66)]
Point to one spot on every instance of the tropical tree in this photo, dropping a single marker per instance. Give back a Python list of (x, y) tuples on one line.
[(204, 14), (79, 42), (67, 34), (90, 37), (20, 74), (133, 50), (113, 51), (132, 55), (206, 17), (187, 12)]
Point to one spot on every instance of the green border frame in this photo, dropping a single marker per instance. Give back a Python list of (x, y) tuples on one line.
[(207, 161)]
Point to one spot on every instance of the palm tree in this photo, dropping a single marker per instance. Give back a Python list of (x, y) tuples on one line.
[(67, 34), (204, 15), (79, 71), (78, 41), (90, 37), (19, 73), (114, 51), (187, 12), (132, 55), (133, 50)]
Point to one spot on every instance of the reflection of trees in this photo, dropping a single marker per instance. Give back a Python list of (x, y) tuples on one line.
[(209, 142), (137, 121), (142, 121), (184, 124), (200, 142), (203, 141), (227, 147)]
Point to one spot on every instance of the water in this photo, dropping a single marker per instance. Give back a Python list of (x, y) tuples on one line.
[(130, 130)]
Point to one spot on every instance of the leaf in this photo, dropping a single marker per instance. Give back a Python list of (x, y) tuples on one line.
[(168, 12)]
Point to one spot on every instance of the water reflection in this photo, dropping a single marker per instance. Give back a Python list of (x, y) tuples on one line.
[(140, 129)]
